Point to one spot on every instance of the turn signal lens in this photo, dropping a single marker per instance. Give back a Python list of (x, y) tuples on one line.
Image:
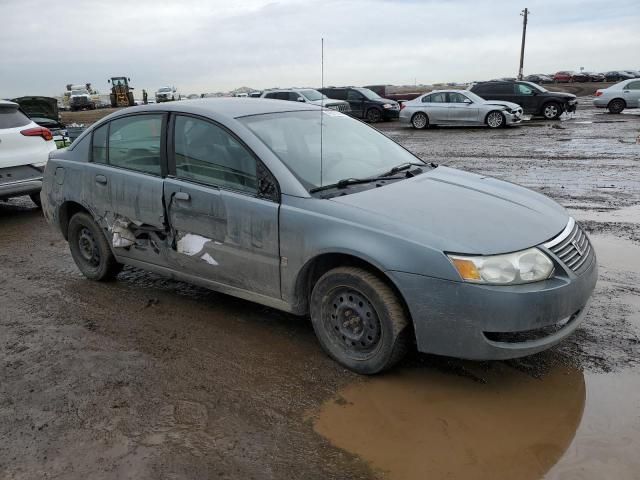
[(466, 269)]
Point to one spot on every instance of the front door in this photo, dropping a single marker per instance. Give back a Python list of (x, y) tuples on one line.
[(462, 109), (223, 230), (356, 101), (527, 97)]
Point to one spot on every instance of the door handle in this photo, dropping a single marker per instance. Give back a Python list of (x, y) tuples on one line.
[(184, 196), (101, 179)]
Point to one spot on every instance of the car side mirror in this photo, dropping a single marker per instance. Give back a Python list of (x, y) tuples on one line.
[(300, 99), (467, 101)]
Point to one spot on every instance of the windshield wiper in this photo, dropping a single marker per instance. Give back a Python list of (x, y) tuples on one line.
[(345, 182), (400, 168)]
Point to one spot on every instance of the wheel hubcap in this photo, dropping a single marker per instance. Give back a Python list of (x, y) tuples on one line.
[(88, 247), (353, 321), (374, 115), (419, 121), (550, 111), (495, 119)]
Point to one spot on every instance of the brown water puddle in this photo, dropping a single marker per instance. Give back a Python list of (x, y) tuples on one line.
[(423, 424)]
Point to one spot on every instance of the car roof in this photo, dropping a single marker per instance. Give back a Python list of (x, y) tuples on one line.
[(230, 107)]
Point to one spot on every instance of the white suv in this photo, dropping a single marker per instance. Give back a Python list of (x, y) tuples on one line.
[(24, 151)]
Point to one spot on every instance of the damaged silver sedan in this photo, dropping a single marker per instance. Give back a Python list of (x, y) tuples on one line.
[(312, 212)]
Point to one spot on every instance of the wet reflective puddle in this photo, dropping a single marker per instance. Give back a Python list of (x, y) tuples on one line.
[(424, 423)]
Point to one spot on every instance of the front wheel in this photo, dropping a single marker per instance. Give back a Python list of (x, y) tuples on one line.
[(552, 111), (373, 115), (616, 106), (420, 120), (90, 250), (495, 119), (359, 320)]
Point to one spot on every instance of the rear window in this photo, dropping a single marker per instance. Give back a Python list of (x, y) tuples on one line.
[(11, 117)]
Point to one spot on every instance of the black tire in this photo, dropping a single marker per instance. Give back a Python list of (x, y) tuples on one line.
[(495, 119), (359, 320), (617, 105), (113, 100), (90, 250), (551, 110), (130, 99), (420, 120), (35, 198), (373, 115)]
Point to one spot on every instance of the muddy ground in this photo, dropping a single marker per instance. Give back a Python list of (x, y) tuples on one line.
[(147, 378)]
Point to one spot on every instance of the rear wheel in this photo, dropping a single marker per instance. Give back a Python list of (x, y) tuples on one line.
[(420, 120), (113, 100), (551, 111), (373, 115), (359, 320), (616, 106), (495, 119), (130, 99), (90, 250)]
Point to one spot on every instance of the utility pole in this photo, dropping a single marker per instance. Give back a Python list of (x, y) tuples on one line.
[(524, 14)]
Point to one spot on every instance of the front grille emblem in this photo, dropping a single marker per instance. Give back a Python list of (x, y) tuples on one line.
[(577, 247)]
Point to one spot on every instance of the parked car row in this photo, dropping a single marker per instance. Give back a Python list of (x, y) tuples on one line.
[(570, 77)]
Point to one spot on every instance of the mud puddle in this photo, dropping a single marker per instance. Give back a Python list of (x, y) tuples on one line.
[(424, 423), (615, 253)]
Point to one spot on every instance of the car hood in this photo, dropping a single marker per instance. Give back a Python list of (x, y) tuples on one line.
[(460, 212), (567, 96), (42, 107), (501, 103)]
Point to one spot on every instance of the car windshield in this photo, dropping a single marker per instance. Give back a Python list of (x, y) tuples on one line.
[(165, 89), (312, 95), (370, 94), (350, 149), (78, 92)]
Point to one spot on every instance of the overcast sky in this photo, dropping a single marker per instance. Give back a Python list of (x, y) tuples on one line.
[(211, 45)]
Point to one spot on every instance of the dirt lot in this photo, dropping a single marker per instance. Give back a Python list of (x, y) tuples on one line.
[(150, 378)]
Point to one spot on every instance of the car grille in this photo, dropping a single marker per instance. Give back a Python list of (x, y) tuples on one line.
[(572, 247), (340, 107)]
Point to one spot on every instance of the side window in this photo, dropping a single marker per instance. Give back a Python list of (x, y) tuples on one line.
[(456, 98), (439, 98), (134, 143), (99, 149), (293, 96), (633, 86), (502, 89), (353, 96), (205, 153), (523, 89), (271, 95), (426, 99)]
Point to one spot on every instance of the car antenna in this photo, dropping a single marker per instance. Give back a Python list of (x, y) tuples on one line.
[(321, 99)]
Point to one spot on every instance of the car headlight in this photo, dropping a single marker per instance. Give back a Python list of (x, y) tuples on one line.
[(387, 105), (527, 266)]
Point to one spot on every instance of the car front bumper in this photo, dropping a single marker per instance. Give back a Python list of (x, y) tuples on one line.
[(512, 118), (571, 107), (390, 114), (484, 322)]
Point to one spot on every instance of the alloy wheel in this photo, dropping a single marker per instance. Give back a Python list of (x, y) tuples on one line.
[(495, 120)]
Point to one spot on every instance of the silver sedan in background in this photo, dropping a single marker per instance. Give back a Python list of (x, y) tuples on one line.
[(624, 94), (458, 107)]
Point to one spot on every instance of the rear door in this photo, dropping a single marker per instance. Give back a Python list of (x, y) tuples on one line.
[(436, 107), (126, 182), (224, 230), (631, 93)]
